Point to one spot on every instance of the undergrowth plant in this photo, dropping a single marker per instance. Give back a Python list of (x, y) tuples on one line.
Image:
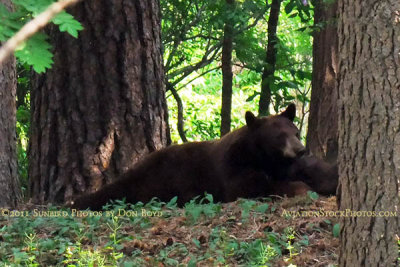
[(102, 240), (398, 244), (222, 244), (205, 206)]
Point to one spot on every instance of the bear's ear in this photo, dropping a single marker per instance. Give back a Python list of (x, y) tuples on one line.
[(250, 119), (290, 112)]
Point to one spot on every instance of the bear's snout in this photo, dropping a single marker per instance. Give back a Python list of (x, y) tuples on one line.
[(293, 148)]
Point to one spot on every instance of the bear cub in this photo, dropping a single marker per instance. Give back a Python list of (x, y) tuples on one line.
[(244, 163)]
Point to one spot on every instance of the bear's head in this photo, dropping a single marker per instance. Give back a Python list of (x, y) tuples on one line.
[(275, 137)]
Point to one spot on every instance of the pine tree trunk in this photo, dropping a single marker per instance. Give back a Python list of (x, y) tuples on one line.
[(10, 191), (270, 61), (322, 123), (102, 105), (227, 73), (369, 130)]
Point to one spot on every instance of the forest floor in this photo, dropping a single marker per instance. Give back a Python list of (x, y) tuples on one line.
[(268, 232)]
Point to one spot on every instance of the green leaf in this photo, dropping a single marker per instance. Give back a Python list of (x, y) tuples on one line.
[(5, 33), (336, 230), (250, 98), (262, 208), (35, 7), (36, 52), (172, 202), (47, 244), (289, 7), (196, 242), (287, 84), (304, 75), (312, 195), (67, 23), (192, 262), (208, 197), (302, 29)]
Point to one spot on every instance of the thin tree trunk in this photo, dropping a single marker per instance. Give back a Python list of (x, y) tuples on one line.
[(180, 123), (102, 106), (227, 73), (369, 130), (10, 191), (322, 138), (270, 61)]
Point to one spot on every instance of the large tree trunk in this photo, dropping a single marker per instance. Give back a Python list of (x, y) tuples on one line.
[(10, 191), (322, 133), (270, 61), (369, 130), (102, 105), (227, 73)]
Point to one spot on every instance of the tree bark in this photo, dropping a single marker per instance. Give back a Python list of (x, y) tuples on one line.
[(102, 105), (369, 130), (10, 191), (322, 140), (270, 61), (227, 74)]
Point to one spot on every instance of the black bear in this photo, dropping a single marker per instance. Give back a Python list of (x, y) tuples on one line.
[(240, 164), (322, 177), (288, 188)]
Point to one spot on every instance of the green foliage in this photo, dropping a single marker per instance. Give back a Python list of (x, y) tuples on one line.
[(114, 226), (102, 240), (165, 255), (22, 127), (312, 195), (67, 23), (398, 244), (262, 252), (23, 122), (295, 8), (246, 206), (192, 35), (205, 206), (336, 230), (223, 245), (203, 105), (36, 51)]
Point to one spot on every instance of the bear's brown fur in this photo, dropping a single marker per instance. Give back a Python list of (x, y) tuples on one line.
[(289, 188), (237, 165), (322, 177)]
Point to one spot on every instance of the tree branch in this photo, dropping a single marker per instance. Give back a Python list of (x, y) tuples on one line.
[(32, 27), (180, 124), (198, 76), (185, 71)]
